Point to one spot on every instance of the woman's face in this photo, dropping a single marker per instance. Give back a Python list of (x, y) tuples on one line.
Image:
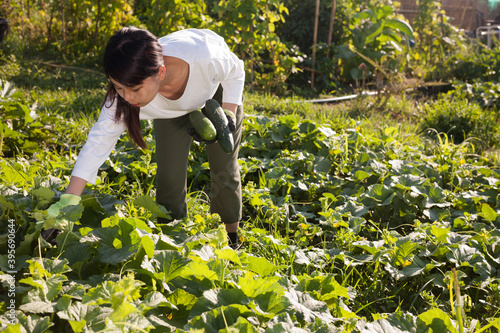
[(142, 94)]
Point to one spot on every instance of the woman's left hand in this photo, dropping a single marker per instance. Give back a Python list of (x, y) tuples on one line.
[(230, 111)]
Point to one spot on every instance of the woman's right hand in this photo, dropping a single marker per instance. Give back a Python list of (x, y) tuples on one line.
[(65, 200)]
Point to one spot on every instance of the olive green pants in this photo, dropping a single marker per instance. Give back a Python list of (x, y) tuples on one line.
[(172, 150)]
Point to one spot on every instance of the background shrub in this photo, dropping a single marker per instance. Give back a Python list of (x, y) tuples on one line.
[(461, 119)]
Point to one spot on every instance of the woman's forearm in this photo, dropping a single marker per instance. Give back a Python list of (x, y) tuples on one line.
[(230, 106), (76, 185)]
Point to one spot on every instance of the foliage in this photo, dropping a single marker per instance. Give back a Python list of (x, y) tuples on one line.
[(486, 94), (378, 45), (346, 229), (350, 226), (437, 39), (298, 27), (16, 118), (164, 17), (462, 120), (327, 76), (274, 38), (473, 72), (475, 62), (78, 31), (72, 30), (249, 27)]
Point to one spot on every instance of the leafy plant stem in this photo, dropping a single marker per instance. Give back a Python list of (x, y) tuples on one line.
[(1, 141), (292, 259), (493, 323), (375, 301), (224, 317), (10, 164), (39, 248), (138, 183), (419, 293), (459, 301), (71, 223), (346, 150), (222, 272)]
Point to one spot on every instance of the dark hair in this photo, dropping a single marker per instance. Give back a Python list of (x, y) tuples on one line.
[(131, 56)]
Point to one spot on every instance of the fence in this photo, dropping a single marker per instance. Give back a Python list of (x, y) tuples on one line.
[(465, 14)]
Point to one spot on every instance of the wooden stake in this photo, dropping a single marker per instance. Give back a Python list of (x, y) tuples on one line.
[(330, 31), (63, 21), (315, 36)]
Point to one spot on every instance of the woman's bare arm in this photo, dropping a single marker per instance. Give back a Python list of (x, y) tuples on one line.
[(76, 185)]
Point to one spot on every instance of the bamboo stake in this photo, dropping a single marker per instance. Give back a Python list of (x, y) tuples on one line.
[(330, 31), (315, 36), (97, 19), (63, 22)]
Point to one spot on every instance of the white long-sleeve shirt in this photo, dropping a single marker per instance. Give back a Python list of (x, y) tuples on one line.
[(210, 63)]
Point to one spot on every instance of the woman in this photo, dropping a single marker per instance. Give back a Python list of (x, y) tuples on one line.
[(164, 79)]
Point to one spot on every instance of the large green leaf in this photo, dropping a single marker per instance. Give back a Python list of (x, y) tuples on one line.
[(378, 194), (353, 208), (98, 207), (260, 266), (242, 325), (147, 241), (488, 213), (44, 195), (256, 286), (465, 255), (55, 266), (406, 181), (435, 196), (220, 318), (382, 326), (183, 301), (436, 320), (202, 270), (215, 298), (166, 264), (227, 254), (151, 205), (82, 316), (370, 247), (323, 288), (307, 308), (400, 25), (38, 307), (439, 233), (44, 289), (110, 251), (155, 299), (322, 165), (418, 266), (269, 304), (78, 253), (33, 324), (373, 32)]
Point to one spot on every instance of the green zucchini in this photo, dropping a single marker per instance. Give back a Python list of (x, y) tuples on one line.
[(202, 125), (216, 114)]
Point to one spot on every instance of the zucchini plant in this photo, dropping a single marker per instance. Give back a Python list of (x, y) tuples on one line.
[(15, 118)]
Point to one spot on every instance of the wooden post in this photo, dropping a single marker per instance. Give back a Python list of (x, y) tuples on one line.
[(63, 21), (97, 19), (330, 31), (315, 36)]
